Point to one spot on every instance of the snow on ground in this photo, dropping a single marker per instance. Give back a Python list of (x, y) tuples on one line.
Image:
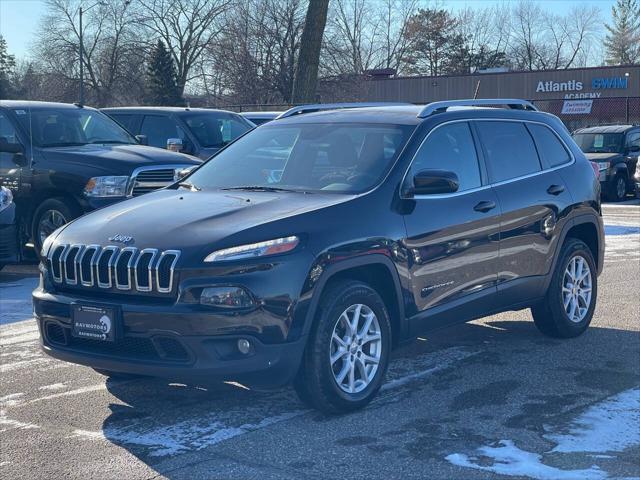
[(510, 460), (15, 300), (612, 425), (609, 426)]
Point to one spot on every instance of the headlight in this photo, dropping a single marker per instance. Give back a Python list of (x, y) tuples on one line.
[(603, 165), (260, 249), (6, 197), (106, 187)]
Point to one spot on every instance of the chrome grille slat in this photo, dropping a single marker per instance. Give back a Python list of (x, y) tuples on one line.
[(147, 179), (112, 267)]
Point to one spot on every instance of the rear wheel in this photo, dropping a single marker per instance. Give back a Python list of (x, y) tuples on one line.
[(348, 352), (568, 307), (48, 217), (618, 188)]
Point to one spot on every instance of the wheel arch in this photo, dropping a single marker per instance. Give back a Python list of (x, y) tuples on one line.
[(42, 197), (376, 270)]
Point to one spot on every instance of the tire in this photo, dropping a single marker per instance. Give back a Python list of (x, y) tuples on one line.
[(618, 188), (50, 215), (551, 316), (317, 382)]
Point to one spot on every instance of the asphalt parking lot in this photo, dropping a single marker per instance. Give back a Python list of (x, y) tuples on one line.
[(488, 399)]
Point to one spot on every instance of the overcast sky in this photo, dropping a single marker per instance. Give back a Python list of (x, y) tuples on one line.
[(19, 19)]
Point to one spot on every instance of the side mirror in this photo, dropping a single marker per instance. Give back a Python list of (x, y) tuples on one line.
[(430, 182), (6, 147), (142, 139), (174, 144), (187, 146), (20, 159)]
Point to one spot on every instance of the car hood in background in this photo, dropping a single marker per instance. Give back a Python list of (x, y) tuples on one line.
[(602, 157), (116, 159)]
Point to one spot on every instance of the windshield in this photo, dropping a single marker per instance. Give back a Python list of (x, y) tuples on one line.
[(215, 129), (68, 127), (600, 142), (345, 158)]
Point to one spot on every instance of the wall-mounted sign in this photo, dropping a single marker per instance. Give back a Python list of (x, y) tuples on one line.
[(577, 107), (575, 88)]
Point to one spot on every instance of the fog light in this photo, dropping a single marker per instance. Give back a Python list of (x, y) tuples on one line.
[(244, 346), (226, 297)]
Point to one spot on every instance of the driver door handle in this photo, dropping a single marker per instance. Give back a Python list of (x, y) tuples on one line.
[(555, 189), (485, 206)]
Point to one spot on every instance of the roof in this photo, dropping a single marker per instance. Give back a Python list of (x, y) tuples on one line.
[(40, 105), (400, 115), (270, 114), (607, 129), (163, 109)]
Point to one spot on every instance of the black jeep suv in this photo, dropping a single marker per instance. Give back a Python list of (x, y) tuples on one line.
[(308, 248), (62, 160), (616, 149)]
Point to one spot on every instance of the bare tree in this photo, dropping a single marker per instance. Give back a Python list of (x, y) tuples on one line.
[(187, 27), (306, 76), (110, 59)]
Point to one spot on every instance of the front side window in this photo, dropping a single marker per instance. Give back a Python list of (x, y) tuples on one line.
[(600, 142), (7, 131), (215, 130), (67, 127), (308, 157), (511, 152), (449, 148), (159, 129), (633, 139), (551, 150)]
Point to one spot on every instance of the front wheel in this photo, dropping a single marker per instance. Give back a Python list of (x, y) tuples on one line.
[(618, 188), (49, 216), (348, 352), (568, 307)]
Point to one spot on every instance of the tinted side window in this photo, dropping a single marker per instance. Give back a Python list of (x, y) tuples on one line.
[(550, 148), (633, 139), (451, 148), (510, 150), (125, 120), (160, 129)]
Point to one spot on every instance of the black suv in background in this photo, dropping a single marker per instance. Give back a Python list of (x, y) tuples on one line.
[(62, 160), (616, 150), (200, 132), (312, 245)]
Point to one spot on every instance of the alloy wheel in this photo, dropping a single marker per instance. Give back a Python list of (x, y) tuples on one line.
[(356, 348), (50, 221), (621, 187), (576, 289)]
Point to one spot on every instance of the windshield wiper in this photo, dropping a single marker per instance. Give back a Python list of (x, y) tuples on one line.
[(260, 188), (190, 186)]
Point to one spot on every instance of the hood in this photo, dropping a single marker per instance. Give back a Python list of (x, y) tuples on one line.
[(206, 153), (182, 219), (116, 159), (602, 157)]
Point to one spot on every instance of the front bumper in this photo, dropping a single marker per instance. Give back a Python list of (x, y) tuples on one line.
[(147, 346)]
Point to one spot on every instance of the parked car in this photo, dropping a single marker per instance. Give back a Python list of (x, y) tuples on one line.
[(8, 229), (61, 161), (200, 132), (258, 118), (616, 150), (384, 223)]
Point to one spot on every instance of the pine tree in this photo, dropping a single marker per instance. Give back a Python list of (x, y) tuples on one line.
[(623, 40), (161, 86), (7, 65)]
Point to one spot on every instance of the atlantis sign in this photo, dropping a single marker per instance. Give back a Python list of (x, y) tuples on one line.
[(575, 88)]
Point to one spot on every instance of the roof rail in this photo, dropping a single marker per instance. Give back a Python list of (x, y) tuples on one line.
[(439, 107), (318, 107)]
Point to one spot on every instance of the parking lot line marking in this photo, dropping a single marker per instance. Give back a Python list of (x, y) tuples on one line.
[(17, 339), (70, 393)]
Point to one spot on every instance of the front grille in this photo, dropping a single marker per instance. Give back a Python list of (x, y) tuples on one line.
[(126, 269), (148, 180)]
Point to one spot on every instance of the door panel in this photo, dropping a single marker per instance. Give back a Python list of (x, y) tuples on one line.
[(9, 171), (453, 248)]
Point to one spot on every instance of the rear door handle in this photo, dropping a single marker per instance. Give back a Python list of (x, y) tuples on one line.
[(555, 189), (484, 206)]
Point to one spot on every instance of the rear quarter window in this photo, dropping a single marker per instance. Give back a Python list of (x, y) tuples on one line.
[(510, 150), (552, 152)]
